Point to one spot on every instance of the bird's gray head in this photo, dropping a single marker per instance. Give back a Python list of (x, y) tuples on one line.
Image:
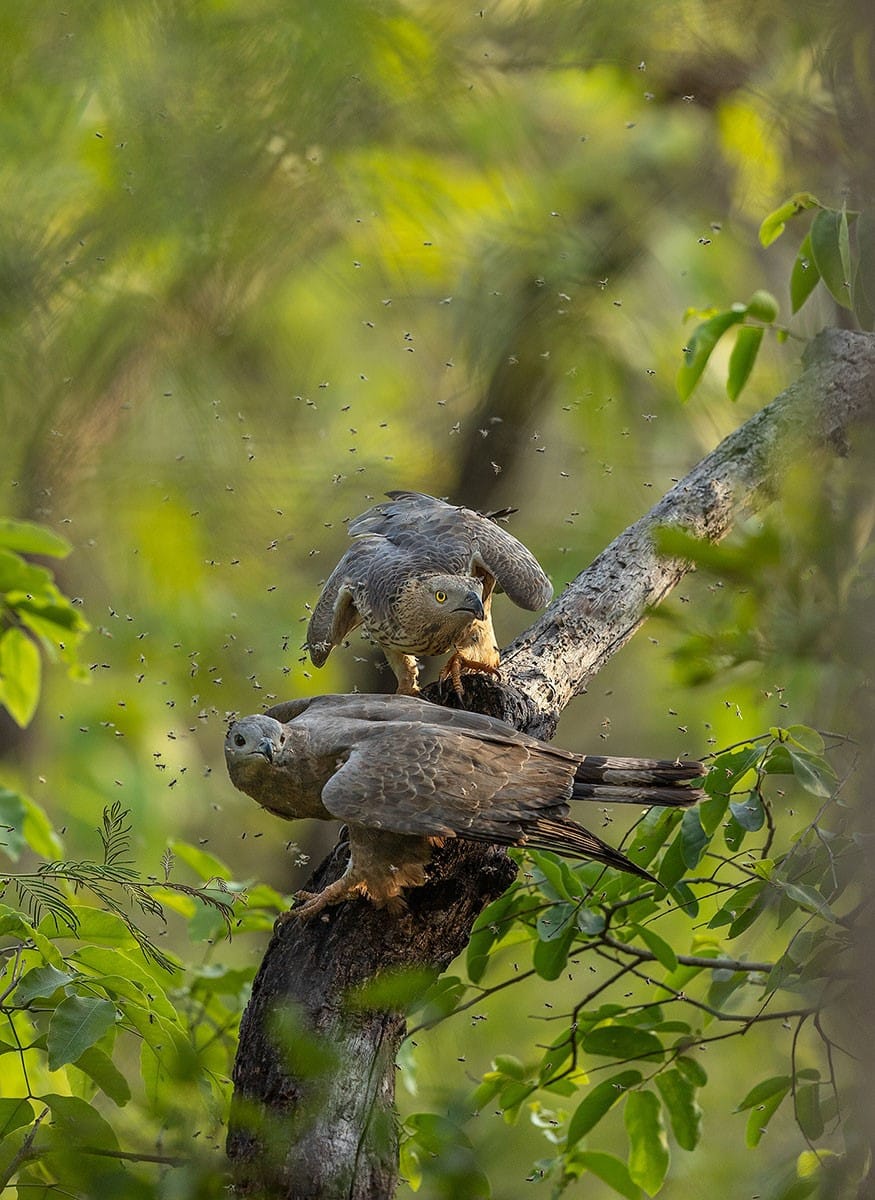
[(253, 740), (433, 610), (449, 594)]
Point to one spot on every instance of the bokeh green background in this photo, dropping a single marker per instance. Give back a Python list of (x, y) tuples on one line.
[(262, 261)]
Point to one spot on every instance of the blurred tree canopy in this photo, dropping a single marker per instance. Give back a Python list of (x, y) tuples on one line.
[(260, 262)]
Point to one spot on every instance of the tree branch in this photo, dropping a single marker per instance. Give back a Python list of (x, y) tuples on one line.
[(598, 612), (313, 1111)]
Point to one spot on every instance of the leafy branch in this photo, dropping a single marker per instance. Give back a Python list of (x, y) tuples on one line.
[(574, 914)]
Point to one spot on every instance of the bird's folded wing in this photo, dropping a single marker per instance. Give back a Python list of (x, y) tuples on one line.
[(407, 781)]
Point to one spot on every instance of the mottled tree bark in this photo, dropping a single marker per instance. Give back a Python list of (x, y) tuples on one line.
[(313, 1109)]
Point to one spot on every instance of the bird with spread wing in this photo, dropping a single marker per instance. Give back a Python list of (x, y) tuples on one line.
[(419, 578), (404, 774)]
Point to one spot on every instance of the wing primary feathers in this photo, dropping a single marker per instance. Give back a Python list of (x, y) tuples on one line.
[(565, 838)]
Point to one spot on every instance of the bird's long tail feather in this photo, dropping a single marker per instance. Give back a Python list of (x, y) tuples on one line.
[(638, 781)]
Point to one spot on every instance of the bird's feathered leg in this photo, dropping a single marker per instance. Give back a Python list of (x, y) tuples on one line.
[(371, 872), (406, 670)]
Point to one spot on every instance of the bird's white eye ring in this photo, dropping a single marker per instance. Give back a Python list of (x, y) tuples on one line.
[(440, 597)]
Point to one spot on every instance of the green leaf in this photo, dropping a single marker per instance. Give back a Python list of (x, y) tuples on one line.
[(749, 813), (672, 868), (700, 345), (761, 1114), (549, 958), (28, 538), (808, 898), (489, 928), (94, 925), (657, 946), (804, 277), (844, 244), (99, 1067), (20, 671), (40, 981), (692, 1070), (14, 1114), (77, 1023), (808, 1112), (648, 1146), (206, 865), (803, 736), (826, 249), (24, 823), (610, 1170), (19, 576), (762, 306), (591, 921), (813, 772), (622, 1042), (679, 1098), (775, 223), (554, 922), (742, 359), (150, 979), (764, 1090), (75, 1122), (597, 1102), (693, 838)]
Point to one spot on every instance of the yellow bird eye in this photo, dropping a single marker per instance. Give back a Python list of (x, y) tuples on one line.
[(440, 597)]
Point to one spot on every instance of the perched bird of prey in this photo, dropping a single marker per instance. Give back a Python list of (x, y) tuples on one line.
[(419, 578), (403, 774)]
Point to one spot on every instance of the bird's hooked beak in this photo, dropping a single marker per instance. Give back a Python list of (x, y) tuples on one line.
[(472, 603), (265, 747)]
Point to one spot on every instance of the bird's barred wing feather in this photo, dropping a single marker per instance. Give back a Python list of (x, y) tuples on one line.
[(336, 615), (407, 780), (459, 539)]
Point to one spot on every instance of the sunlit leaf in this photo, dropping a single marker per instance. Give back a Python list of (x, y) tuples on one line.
[(20, 673), (742, 359), (684, 1113), (29, 538), (775, 223), (648, 1146), (204, 864), (700, 346), (692, 1070)]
